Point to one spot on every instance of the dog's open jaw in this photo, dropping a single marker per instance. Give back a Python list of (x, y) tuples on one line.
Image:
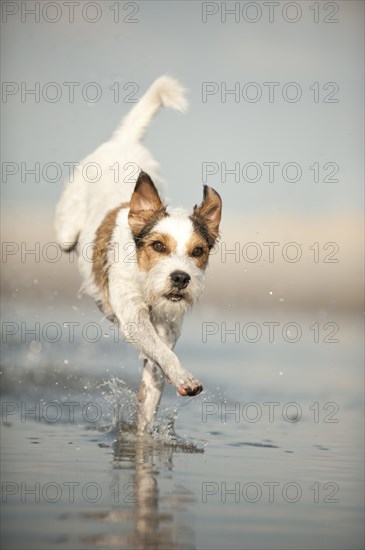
[(172, 248)]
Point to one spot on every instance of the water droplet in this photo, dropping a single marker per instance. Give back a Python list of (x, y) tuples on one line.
[(270, 292), (281, 373), (66, 361)]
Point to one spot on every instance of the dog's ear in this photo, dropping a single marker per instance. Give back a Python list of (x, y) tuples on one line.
[(146, 205), (210, 211)]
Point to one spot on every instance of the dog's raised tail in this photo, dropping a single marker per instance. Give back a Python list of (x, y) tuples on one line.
[(165, 91)]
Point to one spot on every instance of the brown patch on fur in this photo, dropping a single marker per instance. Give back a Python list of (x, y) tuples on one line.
[(198, 241), (101, 248), (147, 257), (146, 207), (207, 216), (140, 232)]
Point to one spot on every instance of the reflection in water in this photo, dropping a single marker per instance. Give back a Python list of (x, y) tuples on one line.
[(154, 513), (150, 516)]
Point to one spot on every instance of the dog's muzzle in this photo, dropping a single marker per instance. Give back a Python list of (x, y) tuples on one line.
[(180, 279)]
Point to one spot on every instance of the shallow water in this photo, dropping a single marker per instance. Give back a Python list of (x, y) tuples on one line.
[(269, 456)]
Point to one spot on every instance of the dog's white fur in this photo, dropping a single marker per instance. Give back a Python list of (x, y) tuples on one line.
[(136, 298)]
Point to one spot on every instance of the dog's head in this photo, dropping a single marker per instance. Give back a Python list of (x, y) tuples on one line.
[(172, 248)]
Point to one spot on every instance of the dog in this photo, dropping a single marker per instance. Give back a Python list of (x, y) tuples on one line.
[(143, 265)]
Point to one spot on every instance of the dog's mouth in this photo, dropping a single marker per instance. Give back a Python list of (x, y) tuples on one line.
[(174, 296)]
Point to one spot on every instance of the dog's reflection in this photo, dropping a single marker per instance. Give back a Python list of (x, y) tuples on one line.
[(159, 514), (150, 511)]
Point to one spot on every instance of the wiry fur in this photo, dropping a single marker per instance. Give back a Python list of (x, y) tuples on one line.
[(146, 287)]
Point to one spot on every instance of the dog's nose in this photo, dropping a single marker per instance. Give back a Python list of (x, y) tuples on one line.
[(180, 279)]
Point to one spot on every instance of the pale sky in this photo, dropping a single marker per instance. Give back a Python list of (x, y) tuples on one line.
[(320, 135)]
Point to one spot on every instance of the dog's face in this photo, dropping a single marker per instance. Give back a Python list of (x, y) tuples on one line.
[(172, 248)]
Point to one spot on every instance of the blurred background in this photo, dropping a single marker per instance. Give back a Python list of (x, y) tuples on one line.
[(275, 125)]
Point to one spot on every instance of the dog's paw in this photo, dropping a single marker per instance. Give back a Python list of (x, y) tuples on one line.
[(192, 388)]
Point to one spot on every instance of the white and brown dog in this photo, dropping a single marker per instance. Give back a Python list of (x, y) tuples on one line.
[(148, 294)]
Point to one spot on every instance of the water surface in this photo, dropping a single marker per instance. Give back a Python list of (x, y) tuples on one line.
[(269, 456)]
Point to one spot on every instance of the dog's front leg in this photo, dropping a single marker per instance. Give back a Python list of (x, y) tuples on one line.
[(134, 319), (150, 344), (152, 382), (149, 395)]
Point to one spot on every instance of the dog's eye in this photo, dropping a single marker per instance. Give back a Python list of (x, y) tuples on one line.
[(197, 252), (158, 246)]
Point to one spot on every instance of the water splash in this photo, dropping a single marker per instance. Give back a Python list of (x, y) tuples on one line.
[(124, 403)]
